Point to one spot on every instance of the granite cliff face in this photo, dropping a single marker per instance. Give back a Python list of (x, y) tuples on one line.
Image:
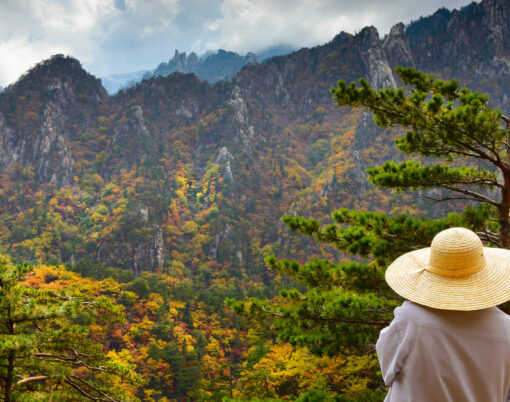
[(397, 49), (40, 114), (374, 59), (132, 142), (267, 142), (475, 38)]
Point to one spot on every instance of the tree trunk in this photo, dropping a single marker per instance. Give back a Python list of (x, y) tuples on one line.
[(504, 230), (9, 377), (504, 209), (10, 361)]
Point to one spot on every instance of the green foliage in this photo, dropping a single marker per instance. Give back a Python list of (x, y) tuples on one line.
[(346, 304), (44, 348), (379, 236), (444, 118), (411, 174), (446, 122)]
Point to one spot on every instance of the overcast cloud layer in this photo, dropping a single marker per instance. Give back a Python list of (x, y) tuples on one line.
[(116, 36)]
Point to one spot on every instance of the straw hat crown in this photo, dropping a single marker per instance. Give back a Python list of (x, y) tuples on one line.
[(456, 252), (455, 273)]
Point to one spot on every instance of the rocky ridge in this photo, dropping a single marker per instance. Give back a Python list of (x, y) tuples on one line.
[(38, 131), (214, 67), (57, 117)]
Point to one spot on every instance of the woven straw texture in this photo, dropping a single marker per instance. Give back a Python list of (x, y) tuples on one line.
[(455, 273)]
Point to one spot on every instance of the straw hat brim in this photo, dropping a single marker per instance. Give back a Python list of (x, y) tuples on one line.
[(489, 287)]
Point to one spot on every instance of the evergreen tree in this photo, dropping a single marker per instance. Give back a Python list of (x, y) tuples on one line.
[(44, 344), (455, 126), (346, 304)]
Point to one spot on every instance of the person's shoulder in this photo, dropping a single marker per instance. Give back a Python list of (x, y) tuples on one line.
[(409, 307), (499, 321), (500, 315), (407, 310), (418, 313)]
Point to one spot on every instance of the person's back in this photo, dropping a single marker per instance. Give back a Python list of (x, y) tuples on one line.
[(442, 355), (449, 342)]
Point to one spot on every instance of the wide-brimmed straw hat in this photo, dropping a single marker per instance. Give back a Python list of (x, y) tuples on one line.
[(455, 273)]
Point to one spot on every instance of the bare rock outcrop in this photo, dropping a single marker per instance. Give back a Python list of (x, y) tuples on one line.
[(41, 136), (396, 47), (245, 130), (132, 142), (373, 58)]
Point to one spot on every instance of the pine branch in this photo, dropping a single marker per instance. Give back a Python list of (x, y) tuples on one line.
[(443, 199), (449, 151), (319, 318), (490, 237), (394, 108), (51, 316), (109, 398), (480, 154), (475, 195), (413, 174), (25, 380), (74, 360), (85, 393), (51, 357)]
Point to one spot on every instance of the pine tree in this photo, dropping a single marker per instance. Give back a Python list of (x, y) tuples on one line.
[(44, 344), (345, 305), (452, 125)]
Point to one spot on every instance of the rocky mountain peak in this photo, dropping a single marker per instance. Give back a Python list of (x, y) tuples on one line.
[(57, 64), (183, 63), (373, 58), (396, 46), (213, 67), (62, 75), (419, 30), (342, 37), (39, 132), (368, 37), (474, 38)]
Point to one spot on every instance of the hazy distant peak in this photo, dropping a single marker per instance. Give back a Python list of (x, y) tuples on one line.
[(211, 67)]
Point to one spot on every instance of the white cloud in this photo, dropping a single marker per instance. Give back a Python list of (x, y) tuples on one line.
[(114, 36), (105, 35), (22, 55), (252, 25)]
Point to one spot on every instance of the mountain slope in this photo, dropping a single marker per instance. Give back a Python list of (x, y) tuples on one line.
[(176, 169)]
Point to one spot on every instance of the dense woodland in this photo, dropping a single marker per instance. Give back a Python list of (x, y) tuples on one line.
[(159, 266)]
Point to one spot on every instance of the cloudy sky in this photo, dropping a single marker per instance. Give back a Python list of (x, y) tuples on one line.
[(115, 36)]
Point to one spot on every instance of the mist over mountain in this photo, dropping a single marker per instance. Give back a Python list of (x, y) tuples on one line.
[(114, 83), (212, 66), (277, 50)]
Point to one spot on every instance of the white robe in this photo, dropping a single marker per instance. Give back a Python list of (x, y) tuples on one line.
[(442, 355)]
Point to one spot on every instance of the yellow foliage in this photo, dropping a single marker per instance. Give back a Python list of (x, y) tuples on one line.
[(154, 302), (190, 227), (213, 346), (184, 338), (295, 370)]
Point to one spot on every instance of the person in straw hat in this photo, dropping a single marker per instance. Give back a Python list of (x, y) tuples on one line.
[(448, 342)]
